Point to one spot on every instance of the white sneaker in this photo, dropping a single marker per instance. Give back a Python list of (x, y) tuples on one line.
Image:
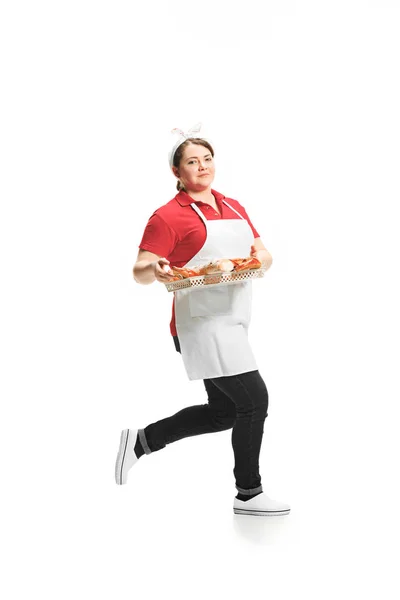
[(126, 456), (261, 506)]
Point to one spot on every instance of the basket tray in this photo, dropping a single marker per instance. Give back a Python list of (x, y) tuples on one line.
[(216, 279)]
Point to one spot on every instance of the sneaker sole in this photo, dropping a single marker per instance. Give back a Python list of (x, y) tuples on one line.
[(120, 477), (261, 513)]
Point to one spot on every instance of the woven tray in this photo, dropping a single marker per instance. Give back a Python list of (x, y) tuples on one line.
[(216, 279)]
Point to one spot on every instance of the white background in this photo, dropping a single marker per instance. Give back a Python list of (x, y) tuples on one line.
[(301, 101)]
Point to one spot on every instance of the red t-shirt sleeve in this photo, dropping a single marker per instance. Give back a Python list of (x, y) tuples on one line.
[(158, 237)]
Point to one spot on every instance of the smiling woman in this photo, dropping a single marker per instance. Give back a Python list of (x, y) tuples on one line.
[(209, 326)]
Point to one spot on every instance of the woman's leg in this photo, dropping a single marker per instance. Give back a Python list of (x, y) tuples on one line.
[(249, 394), (217, 415)]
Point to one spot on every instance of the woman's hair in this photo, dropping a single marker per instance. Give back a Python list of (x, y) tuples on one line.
[(179, 153)]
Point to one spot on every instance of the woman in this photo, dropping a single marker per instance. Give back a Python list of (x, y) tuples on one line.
[(209, 326)]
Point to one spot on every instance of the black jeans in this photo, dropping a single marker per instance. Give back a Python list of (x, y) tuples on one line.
[(239, 402)]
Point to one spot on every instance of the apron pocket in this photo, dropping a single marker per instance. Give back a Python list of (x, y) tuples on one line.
[(212, 302)]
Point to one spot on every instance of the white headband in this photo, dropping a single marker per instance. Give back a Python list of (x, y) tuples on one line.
[(191, 133)]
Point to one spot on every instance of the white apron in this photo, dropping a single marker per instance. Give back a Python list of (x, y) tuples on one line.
[(212, 323)]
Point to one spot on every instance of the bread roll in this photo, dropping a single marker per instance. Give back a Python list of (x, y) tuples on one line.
[(224, 265)]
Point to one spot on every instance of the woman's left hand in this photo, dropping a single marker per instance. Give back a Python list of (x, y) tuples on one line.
[(261, 255)]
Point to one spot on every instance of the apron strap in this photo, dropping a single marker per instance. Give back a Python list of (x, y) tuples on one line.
[(231, 207), (196, 208)]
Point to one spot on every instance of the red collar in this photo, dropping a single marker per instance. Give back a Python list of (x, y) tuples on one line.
[(184, 199)]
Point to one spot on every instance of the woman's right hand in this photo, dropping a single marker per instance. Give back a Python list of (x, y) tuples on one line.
[(161, 269)]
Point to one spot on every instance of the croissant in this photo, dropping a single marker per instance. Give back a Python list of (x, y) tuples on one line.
[(242, 264), (183, 272)]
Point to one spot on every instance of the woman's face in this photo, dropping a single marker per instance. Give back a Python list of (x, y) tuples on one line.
[(196, 170)]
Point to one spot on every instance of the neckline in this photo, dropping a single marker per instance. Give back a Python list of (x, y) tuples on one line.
[(216, 208), (203, 217)]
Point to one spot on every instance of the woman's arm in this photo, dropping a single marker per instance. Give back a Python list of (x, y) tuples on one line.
[(149, 267), (259, 251)]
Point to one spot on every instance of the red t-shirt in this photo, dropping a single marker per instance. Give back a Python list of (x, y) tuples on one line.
[(176, 232)]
